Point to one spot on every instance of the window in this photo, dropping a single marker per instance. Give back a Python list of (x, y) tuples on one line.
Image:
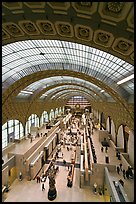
[(13, 129)]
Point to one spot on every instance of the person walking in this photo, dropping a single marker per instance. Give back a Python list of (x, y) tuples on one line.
[(120, 166), (64, 162), (102, 149), (43, 184), (118, 169), (127, 174), (37, 179), (124, 173), (95, 188), (68, 167)]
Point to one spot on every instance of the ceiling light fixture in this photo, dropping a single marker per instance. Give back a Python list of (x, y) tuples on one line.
[(102, 91), (26, 92), (126, 79)]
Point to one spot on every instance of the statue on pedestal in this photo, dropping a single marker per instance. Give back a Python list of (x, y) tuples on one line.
[(52, 193)]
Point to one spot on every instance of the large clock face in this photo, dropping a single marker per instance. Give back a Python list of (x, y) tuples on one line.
[(77, 106)]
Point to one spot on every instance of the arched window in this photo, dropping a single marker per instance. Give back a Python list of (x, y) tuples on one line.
[(120, 137), (44, 117), (60, 110), (33, 120), (113, 133), (51, 114), (4, 135), (11, 130), (56, 112)]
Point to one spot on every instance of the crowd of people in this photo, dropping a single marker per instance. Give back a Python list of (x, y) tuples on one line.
[(126, 173)]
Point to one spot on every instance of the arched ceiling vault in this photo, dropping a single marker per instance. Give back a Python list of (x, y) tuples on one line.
[(59, 94), (59, 86), (68, 95), (57, 89), (21, 84), (107, 26)]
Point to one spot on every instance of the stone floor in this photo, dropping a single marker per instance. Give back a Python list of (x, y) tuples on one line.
[(30, 191)]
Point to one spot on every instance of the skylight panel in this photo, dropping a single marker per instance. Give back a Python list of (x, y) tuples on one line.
[(10, 58), (16, 63), (6, 50), (57, 52), (8, 74), (4, 70), (107, 56)]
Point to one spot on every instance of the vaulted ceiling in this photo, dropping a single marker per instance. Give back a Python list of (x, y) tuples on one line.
[(74, 47)]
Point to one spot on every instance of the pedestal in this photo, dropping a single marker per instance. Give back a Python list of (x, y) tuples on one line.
[(52, 193)]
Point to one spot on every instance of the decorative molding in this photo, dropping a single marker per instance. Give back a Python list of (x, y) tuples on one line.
[(132, 56), (130, 19), (13, 29), (115, 7), (46, 27), (87, 8), (114, 11), (123, 46), (36, 5), (103, 38), (59, 5), (5, 35), (64, 29), (12, 5), (83, 32), (29, 27)]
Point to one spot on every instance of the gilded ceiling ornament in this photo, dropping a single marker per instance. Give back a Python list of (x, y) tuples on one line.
[(29, 27), (103, 37), (83, 32), (46, 27), (123, 45), (13, 29), (65, 28), (115, 7)]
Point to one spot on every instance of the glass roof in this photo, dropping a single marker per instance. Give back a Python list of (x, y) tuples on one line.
[(44, 83), (66, 95), (23, 58), (68, 88)]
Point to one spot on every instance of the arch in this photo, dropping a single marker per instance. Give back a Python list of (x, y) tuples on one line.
[(131, 146), (120, 137), (113, 131), (56, 112), (44, 118), (11, 130), (33, 120), (108, 124), (51, 114)]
